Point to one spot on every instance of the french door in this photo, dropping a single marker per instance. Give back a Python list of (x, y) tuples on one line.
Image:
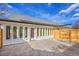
[(32, 33)]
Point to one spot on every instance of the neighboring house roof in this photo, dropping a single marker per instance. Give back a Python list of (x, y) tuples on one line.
[(19, 17), (26, 22), (76, 24), (26, 19), (30, 20)]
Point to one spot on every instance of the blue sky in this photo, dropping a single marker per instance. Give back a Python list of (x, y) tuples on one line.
[(62, 13), (40, 10)]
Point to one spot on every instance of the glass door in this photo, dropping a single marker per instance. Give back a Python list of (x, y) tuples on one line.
[(32, 33), (14, 32), (8, 32)]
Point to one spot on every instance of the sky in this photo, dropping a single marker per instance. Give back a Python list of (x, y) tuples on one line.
[(57, 13)]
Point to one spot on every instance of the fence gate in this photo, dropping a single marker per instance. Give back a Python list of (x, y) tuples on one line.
[(1, 38)]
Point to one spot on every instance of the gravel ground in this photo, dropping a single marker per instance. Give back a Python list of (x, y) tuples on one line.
[(39, 48)]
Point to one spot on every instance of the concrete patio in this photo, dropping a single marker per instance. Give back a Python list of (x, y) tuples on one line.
[(40, 48)]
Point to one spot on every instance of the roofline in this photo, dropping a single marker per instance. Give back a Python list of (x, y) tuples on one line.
[(27, 22)]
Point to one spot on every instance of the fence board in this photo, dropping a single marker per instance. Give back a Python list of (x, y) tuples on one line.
[(1, 38), (56, 34), (65, 35), (74, 35)]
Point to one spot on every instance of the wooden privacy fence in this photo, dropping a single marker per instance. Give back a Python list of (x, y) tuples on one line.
[(71, 35), (1, 38)]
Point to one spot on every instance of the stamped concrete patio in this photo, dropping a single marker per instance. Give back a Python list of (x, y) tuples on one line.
[(40, 48)]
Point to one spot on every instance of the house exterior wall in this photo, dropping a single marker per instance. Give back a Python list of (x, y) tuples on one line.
[(23, 39)]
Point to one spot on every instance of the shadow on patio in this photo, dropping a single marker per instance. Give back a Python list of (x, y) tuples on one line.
[(72, 51), (23, 49), (39, 48)]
